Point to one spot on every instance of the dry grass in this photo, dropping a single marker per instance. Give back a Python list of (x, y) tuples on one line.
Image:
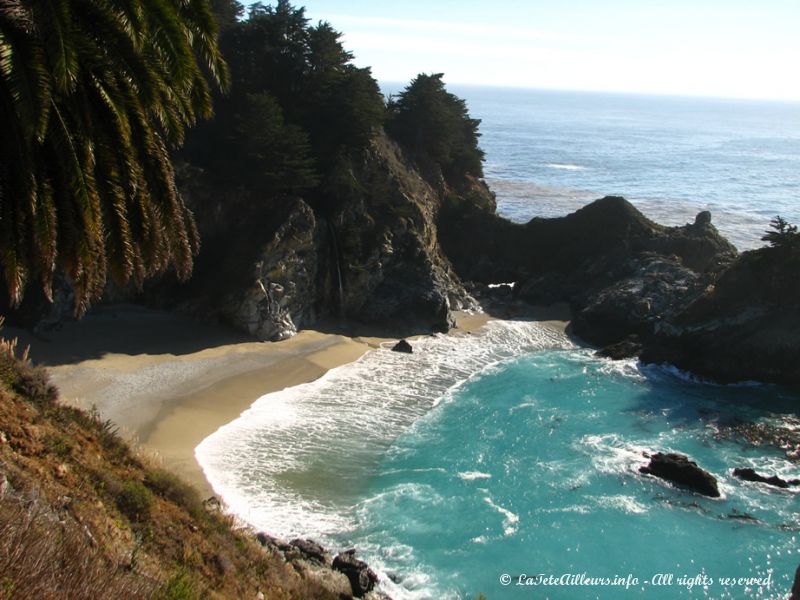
[(44, 557), (86, 517)]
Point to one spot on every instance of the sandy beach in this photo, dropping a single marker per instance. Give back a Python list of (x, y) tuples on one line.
[(169, 381)]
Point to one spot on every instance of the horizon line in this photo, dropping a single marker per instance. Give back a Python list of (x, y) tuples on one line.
[(677, 95)]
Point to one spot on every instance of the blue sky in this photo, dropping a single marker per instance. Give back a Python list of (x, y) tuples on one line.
[(733, 48)]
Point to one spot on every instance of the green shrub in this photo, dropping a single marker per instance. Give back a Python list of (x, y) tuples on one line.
[(59, 445), (169, 486), (134, 501), (178, 587)]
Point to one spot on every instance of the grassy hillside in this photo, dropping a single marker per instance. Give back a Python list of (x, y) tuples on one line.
[(83, 516)]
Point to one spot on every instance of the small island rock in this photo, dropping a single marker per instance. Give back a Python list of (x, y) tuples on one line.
[(678, 469), (774, 480), (402, 346)]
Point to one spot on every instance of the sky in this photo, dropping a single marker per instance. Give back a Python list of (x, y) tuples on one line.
[(724, 48)]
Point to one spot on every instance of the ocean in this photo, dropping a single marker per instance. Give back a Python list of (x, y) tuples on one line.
[(548, 153), (506, 463)]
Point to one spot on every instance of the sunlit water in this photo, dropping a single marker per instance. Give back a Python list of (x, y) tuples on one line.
[(514, 453), (549, 153)]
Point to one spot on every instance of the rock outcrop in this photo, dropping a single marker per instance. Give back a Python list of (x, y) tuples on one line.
[(372, 255), (403, 346), (362, 578), (392, 266), (621, 273), (678, 469), (282, 294), (344, 576), (744, 327), (748, 474)]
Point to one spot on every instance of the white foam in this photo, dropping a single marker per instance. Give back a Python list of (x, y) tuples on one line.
[(565, 167), (510, 520), (473, 475), (667, 371), (293, 462), (627, 504), (611, 454)]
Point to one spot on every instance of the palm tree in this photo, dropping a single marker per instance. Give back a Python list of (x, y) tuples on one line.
[(93, 93)]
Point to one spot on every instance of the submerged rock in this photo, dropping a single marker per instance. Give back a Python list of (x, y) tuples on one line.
[(402, 346), (774, 480), (362, 578), (678, 469), (627, 348)]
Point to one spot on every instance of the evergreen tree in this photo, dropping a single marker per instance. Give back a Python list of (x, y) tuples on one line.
[(783, 235), (435, 128), (92, 94), (318, 108)]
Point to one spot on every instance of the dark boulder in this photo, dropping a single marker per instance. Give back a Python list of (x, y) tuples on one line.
[(646, 289), (745, 326), (402, 346), (272, 543), (311, 550), (362, 578), (627, 348), (774, 480), (678, 469), (702, 219)]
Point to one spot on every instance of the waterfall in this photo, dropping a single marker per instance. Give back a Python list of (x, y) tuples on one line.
[(338, 262)]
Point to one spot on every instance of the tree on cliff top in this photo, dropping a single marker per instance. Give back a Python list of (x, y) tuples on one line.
[(320, 106), (434, 126), (92, 94), (783, 235)]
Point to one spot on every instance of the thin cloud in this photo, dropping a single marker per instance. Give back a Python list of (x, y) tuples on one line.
[(461, 28)]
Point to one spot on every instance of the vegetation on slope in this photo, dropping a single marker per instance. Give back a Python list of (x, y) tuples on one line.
[(83, 516)]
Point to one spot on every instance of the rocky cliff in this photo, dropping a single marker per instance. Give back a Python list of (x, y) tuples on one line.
[(744, 327), (679, 295), (394, 248), (619, 271), (272, 266)]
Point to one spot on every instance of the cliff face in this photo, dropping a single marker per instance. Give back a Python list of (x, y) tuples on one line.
[(680, 295), (392, 265), (619, 271), (375, 257), (745, 327)]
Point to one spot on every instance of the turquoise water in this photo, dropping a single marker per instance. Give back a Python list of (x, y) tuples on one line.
[(509, 453), (532, 469)]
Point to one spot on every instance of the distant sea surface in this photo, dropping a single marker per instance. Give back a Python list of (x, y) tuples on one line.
[(548, 153)]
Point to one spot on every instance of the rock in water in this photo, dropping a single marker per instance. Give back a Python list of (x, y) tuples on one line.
[(402, 346), (362, 578), (678, 469), (796, 586), (751, 475)]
